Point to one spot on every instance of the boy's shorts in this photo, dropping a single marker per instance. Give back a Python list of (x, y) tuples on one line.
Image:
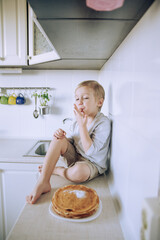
[(72, 158)]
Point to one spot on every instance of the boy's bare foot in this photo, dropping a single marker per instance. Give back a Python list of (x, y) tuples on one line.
[(40, 168), (39, 189)]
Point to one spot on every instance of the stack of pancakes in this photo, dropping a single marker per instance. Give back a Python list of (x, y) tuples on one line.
[(75, 201)]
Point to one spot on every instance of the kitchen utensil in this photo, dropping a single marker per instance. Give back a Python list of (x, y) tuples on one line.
[(12, 99), (20, 99), (36, 113)]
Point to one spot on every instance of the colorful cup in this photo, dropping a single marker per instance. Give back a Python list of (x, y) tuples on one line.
[(4, 99), (20, 99), (12, 99)]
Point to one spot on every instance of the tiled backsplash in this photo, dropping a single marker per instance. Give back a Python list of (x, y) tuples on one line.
[(18, 121), (132, 83)]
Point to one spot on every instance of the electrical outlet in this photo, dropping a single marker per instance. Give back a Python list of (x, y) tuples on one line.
[(150, 229)]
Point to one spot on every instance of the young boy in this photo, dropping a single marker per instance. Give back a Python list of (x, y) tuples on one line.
[(87, 148)]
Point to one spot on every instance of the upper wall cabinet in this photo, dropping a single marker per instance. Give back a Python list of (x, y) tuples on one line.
[(14, 35), (13, 32)]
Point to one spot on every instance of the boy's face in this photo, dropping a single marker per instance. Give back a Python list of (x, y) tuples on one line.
[(86, 101)]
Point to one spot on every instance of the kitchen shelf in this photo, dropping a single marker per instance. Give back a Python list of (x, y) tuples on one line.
[(25, 88)]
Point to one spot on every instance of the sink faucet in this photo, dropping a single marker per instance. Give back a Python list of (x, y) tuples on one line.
[(67, 119)]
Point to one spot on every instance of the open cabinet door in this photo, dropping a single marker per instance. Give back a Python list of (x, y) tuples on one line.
[(40, 48)]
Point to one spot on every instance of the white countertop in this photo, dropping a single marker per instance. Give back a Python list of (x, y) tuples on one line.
[(36, 222), (12, 150)]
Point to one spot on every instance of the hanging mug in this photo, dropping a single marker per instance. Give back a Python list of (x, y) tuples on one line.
[(20, 99), (12, 99), (4, 99), (1, 94)]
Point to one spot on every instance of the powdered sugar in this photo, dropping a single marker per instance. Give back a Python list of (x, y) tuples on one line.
[(78, 193)]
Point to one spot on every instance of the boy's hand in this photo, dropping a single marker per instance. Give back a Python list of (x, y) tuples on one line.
[(80, 116), (59, 133)]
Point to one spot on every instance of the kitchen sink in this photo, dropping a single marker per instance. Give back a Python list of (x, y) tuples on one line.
[(39, 149)]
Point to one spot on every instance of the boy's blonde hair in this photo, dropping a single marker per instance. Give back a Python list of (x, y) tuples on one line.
[(97, 88)]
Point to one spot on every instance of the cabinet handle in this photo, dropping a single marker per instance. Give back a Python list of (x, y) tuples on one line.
[(2, 59)]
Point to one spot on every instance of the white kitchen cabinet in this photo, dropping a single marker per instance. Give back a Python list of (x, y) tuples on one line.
[(1, 210), (13, 32), (14, 36), (17, 180)]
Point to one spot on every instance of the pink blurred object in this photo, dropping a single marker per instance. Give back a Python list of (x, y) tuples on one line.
[(104, 5)]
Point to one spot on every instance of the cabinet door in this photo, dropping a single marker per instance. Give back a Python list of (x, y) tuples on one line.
[(1, 210), (16, 185), (1, 31), (13, 32), (40, 47), (18, 181)]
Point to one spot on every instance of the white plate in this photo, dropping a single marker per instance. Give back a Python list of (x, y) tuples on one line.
[(87, 219)]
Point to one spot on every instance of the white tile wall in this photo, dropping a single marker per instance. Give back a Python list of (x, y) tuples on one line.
[(132, 82), (18, 121)]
